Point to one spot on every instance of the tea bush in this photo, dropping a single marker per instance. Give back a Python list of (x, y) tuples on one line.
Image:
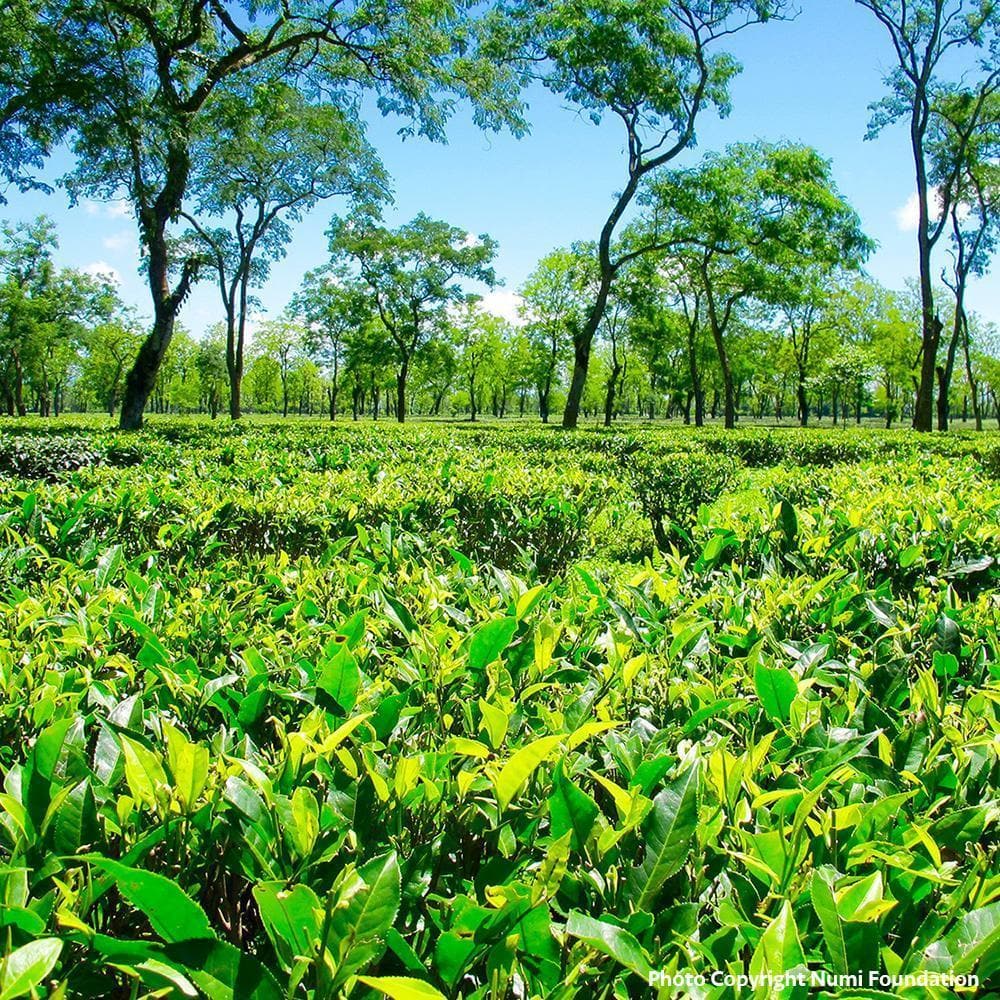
[(427, 711)]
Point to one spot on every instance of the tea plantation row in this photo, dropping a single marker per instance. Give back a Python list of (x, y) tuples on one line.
[(495, 712)]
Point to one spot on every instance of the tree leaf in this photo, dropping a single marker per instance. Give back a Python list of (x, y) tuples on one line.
[(222, 971), (402, 987), (520, 767), (825, 906), (107, 565), (495, 722), (571, 808), (359, 923), (776, 687), (340, 678), (188, 763), (291, 918), (779, 949), (972, 945)]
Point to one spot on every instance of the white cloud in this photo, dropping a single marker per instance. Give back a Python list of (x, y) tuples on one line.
[(118, 208), (102, 269), (505, 303), (119, 241), (908, 215)]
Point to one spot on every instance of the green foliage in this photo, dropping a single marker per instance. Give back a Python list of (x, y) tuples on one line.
[(277, 727), (672, 489)]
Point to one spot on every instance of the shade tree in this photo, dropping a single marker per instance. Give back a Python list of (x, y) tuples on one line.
[(267, 155), (746, 223), (152, 73), (415, 274), (332, 306), (964, 149), (652, 65), (554, 301), (931, 39)]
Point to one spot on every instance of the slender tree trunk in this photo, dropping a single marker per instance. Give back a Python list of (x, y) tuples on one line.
[(930, 324), (946, 371), (694, 371), (977, 411), (235, 394), (235, 342), (401, 391), (800, 391), (609, 398), (729, 389)]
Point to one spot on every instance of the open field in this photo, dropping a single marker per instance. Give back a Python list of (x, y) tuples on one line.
[(294, 710)]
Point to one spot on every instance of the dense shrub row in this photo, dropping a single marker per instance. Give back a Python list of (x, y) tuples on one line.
[(412, 714)]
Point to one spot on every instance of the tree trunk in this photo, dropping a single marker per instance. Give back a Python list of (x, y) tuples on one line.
[(235, 393), (22, 410), (930, 325), (141, 379), (728, 388), (609, 398), (800, 391), (945, 372), (235, 338), (401, 391), (154, 220)]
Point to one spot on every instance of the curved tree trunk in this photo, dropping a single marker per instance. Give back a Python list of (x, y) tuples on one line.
[(141, 379)]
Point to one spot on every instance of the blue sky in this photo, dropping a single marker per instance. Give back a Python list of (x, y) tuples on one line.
[(808, 80)]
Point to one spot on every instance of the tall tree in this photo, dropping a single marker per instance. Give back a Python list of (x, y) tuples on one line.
[(414, 274), (332, 307), (479, 336), (923, 34), (157, 69), (111, 346), (45, 313), (44, 86), (650, 63), (747, 222), (810, 319), (280, 340), (266, 156), (967, 136), (213, 375), (554, 307)]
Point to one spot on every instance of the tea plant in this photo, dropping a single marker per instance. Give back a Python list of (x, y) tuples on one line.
[(497, 713)]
